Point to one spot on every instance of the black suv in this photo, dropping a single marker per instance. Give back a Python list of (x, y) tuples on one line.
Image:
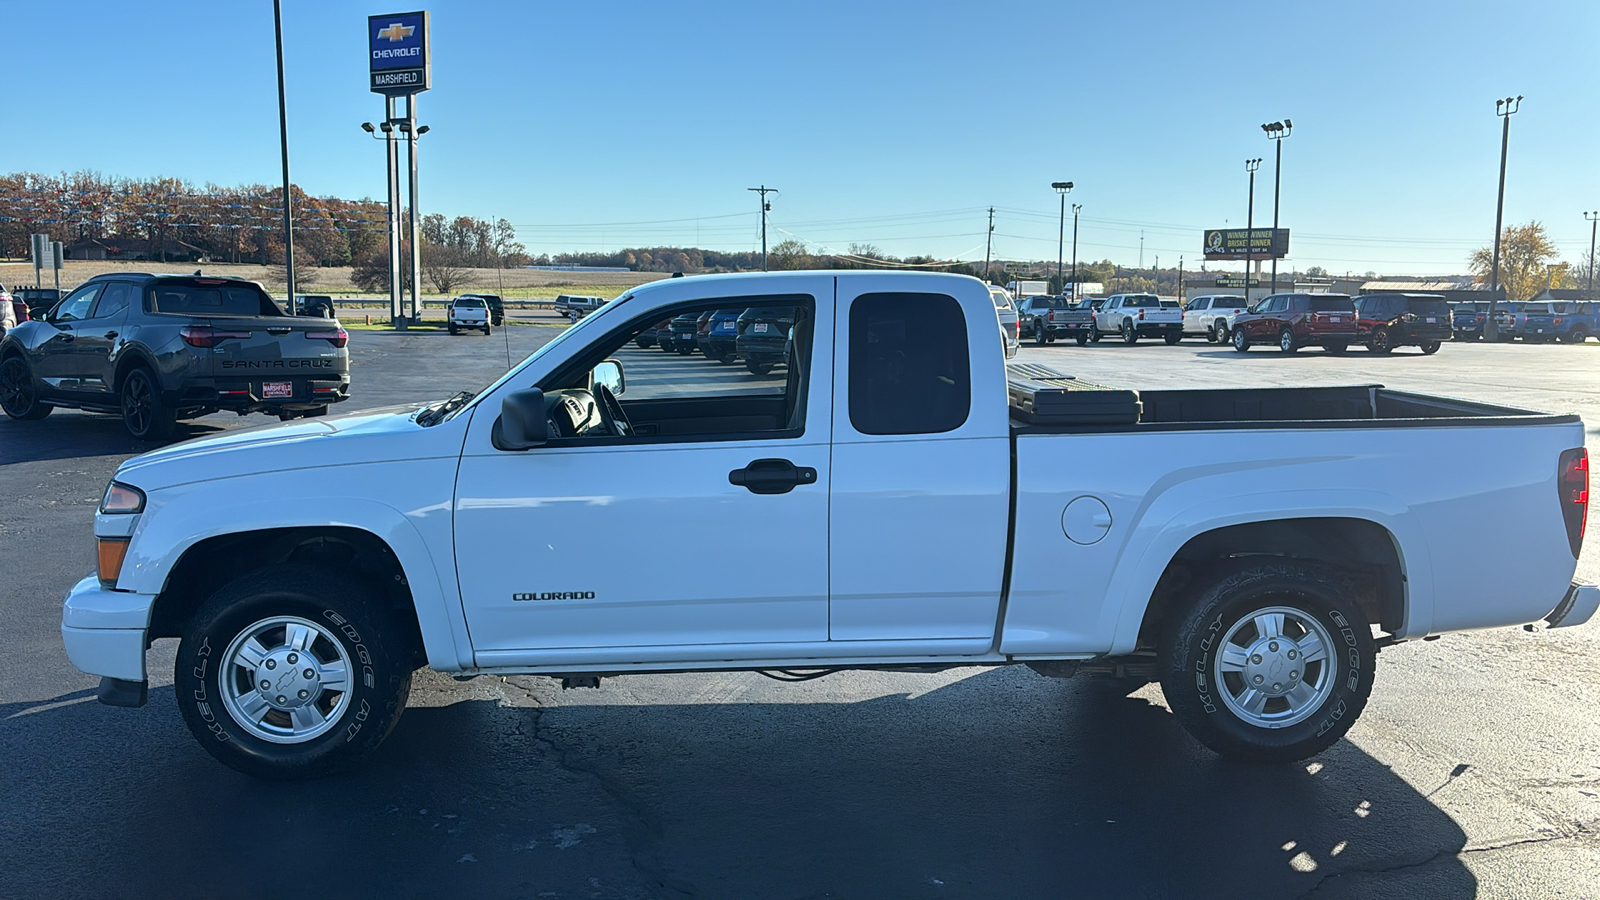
[(158, 348), (1387, 321), (763, 340)]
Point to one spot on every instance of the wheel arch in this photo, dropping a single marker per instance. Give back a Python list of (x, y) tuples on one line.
[(1359, 546), (167, 550), (130, 358)]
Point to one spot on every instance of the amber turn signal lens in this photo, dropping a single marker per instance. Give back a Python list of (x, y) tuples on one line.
[(111, 552)]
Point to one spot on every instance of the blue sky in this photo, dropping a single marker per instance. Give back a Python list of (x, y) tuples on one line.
[(599, 125)]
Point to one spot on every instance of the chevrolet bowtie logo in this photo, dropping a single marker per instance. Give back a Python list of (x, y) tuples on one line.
[(397, 32)]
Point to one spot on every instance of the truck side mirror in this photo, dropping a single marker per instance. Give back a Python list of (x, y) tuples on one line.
[(609, 373), (523, 424)]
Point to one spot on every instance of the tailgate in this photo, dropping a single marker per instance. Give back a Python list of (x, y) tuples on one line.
[(269, 352)]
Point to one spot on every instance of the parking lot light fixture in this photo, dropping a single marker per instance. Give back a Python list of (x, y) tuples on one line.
[(1250, 166), (1593, 218), (1063, 188), (1276, 132), (1076, 208), (1505, 109)]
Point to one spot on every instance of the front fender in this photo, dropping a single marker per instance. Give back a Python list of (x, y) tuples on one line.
[(1172, 521), (177, 518)]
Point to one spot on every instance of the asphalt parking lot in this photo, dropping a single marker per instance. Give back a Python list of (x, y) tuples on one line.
[(1474, 770)]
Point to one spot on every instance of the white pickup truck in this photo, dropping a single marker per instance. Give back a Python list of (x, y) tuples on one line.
[(890, 496), (468, 312), (1134, 316), (1208, 316)]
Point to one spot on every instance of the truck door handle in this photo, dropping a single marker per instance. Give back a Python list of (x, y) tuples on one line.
[(68, 337), (111, 335), (772, 476)]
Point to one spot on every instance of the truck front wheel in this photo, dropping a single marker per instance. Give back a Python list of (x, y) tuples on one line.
[(294, 672), (1273, 663)]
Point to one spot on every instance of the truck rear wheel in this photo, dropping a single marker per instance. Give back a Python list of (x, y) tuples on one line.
[(290, 673), (1130, 335), (1273, 663), (1083, 338), (1039, 337), (145, 413)]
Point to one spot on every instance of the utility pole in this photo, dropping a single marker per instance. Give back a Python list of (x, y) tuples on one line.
[(1276, 132), (1250, 165), (1063, 188), (765, 208), (988, 245), (283, 138), (1593, 218), (1076, 208), (1505, 109), (1182, 298), (1141, 248)]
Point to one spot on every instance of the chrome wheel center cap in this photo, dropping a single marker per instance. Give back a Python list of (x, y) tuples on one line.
[(287, 679), (1275, 666)]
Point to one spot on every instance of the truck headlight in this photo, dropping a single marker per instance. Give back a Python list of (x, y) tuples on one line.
[(122, 498)]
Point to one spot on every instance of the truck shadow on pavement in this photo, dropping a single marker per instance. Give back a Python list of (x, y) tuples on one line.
[(69, 434), (999, 784)]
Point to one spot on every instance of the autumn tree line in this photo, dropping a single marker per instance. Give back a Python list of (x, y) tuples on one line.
[(171, 218)]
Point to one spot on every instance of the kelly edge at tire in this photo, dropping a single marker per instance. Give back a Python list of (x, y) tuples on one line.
[(347, 623), (1205, 641)]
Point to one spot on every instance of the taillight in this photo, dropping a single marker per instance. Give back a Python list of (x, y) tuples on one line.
[(337, 337), (205, 336), (1141, 315), (1573, 485)]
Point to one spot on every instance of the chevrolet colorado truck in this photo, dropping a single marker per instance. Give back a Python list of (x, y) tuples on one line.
[(897, 498)]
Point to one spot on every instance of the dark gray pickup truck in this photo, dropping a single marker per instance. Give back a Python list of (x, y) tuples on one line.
[(158, 348)]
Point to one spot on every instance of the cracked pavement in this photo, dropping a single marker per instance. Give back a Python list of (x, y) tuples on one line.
[(1473, 771)]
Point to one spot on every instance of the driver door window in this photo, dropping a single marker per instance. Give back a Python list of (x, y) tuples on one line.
[(77, 304), (716, 371)]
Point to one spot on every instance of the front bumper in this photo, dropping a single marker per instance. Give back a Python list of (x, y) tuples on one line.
[(1577, 607), (104, 630)]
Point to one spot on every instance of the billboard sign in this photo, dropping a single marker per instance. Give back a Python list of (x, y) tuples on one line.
[(397, 53), (1241, 243)]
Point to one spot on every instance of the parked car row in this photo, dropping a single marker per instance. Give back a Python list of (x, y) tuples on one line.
[(1570, 321), (759, 337)]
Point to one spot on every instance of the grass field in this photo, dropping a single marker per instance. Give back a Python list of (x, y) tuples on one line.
[(519, 284)]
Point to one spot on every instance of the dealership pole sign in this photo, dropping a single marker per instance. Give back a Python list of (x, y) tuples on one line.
[(397, 53), (1241, 243)]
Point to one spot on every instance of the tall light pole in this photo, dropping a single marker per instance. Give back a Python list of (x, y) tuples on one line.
[(1593, 218), (1076, 208), (1276, 132), (1063, 188), (408, 127), (765, 208), (283, 139), (1250, 165), (1505, 109)]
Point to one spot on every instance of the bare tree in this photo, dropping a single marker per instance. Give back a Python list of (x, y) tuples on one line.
[(446, 267)]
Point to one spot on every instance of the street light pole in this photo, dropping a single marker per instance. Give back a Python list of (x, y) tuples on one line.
[(1250, 165), (1505, 109), (1593, 218), (283, 138), (1063, 188), (1076, 208), (408, 126), (1276, 132)]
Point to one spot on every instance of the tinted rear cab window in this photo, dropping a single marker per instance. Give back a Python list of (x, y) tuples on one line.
[(202, 297), (909, 368)]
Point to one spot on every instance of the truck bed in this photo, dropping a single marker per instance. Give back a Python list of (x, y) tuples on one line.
[(1351, 406)]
